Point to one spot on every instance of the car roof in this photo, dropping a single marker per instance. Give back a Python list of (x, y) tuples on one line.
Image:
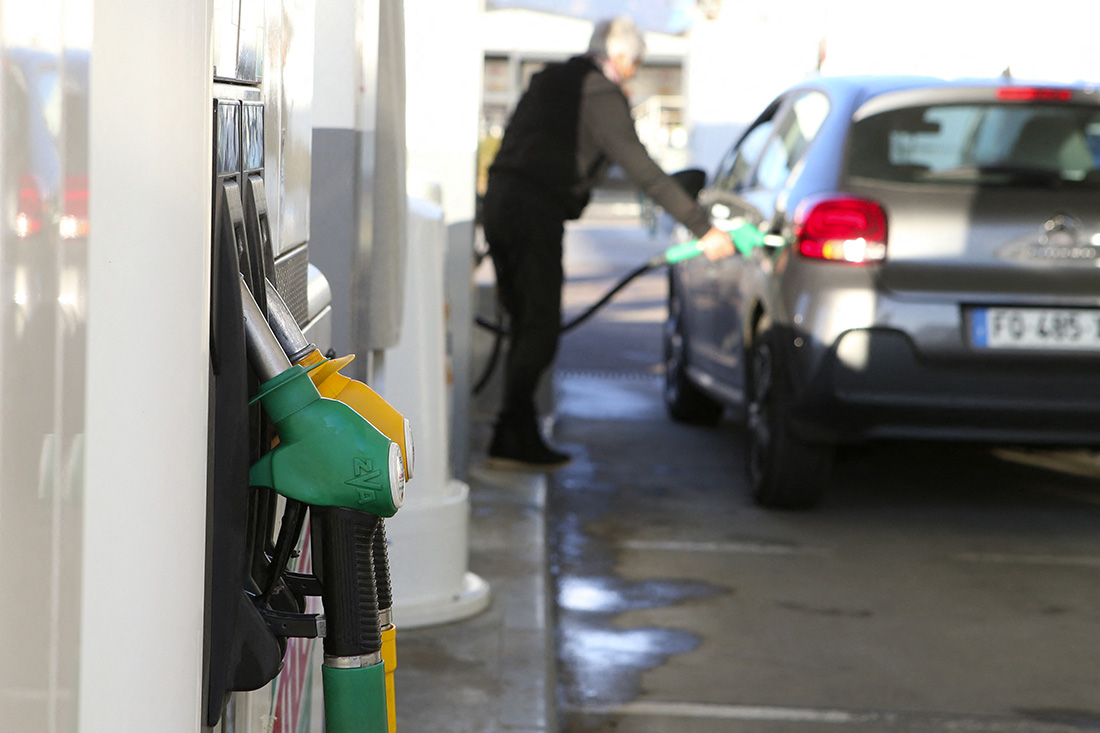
[(857, 89)]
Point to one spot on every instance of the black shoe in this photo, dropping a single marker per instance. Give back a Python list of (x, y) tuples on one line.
[(524, 449)]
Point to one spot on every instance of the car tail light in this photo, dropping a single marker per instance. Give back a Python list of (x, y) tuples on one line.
[(28, 219), (841, 229), (1034, 94), (74, 222)]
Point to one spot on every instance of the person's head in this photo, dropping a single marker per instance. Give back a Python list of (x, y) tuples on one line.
[(617, 47)]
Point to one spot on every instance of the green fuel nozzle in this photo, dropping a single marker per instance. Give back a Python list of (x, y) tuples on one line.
[(332, 458), (328, 454), (325, 374), (352, 580), (746, 237)]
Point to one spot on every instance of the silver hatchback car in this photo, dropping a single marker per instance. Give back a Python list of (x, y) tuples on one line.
[(936, 275)]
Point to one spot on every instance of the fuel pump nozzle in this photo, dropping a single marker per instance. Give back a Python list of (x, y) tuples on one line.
[(325, 374), (380, 558), (746, 237), (333, 459), (328, 454)]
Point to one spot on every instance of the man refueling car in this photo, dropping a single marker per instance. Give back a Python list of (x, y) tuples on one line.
[(571, 124)]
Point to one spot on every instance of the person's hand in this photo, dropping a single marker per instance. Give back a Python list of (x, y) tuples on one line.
[(716, 244)]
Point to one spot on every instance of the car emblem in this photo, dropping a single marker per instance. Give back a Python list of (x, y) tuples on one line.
[(1060, 230), (1061, 240)]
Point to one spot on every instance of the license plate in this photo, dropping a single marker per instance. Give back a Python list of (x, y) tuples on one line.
[(1053, 329)]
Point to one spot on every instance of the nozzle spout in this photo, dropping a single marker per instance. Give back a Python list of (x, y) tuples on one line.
[(265, 354), (285, 327)]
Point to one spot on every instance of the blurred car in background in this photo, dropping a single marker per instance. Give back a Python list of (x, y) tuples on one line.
[(937, 275)]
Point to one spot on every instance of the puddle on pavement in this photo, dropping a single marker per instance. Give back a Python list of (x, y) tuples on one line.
[(603, 663), (610, 595)]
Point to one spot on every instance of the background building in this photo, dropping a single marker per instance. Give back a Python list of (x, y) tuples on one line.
[(518, 43)]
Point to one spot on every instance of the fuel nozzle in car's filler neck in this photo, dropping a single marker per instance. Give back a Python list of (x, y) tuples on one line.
[(328, 454), (325, 374), (745, 236)]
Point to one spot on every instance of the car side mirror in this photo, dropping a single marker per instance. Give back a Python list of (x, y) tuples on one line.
[(691, 180)]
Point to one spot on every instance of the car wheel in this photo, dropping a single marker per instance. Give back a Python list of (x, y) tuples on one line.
[(685, 401), (784, 472)]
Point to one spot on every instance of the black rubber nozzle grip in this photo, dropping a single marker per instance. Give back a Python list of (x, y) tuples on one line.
[(381, 559), (345, 540)]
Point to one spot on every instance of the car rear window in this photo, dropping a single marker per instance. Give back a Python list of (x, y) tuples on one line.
[(1036, 145)]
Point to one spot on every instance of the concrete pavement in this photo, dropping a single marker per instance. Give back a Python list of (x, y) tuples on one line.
[(493, 673)]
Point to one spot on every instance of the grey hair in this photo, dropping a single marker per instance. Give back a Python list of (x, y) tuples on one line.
[(615, 36)]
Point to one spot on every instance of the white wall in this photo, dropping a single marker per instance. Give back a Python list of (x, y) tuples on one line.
[(737, 63), (443, 91), (959, 38), (103, 435)]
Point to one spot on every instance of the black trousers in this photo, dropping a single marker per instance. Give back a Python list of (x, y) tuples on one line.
[(524, 233)]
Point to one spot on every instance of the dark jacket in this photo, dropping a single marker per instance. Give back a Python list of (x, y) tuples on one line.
[(569, 126)]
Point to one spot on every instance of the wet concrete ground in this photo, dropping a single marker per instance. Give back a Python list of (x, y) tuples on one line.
[(938, 588)]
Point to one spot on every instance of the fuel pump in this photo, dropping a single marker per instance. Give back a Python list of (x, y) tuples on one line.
[(351, 475)]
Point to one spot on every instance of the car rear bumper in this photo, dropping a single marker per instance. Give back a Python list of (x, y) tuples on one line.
[(872, 384)]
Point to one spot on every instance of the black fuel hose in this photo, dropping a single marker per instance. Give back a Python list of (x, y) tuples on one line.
[(745, 236), (500, 332), (588, 312)]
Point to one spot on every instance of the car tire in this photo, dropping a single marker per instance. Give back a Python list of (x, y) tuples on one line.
[(685, 402), (784, 472)]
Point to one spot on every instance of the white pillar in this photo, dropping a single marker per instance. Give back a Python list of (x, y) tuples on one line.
[(148, 359), (443, 69), (428, 537)]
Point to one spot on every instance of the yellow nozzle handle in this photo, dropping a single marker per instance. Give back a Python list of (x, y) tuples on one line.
[(326, 375)]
